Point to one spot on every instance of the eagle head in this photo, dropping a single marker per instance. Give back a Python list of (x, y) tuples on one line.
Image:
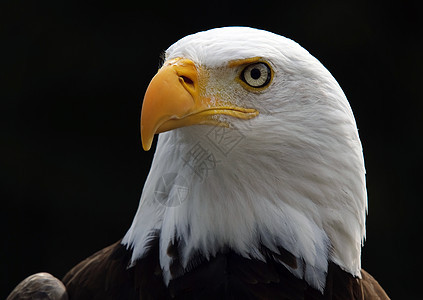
[(258, 147)]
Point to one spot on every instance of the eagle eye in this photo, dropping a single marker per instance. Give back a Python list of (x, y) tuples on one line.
[(256, 75)]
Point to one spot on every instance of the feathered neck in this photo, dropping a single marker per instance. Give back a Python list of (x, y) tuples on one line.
[(212, 187)]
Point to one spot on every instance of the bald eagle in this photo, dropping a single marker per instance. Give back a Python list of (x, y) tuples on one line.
[(257, 187)]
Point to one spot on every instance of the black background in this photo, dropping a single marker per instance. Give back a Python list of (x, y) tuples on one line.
[(73, 76)]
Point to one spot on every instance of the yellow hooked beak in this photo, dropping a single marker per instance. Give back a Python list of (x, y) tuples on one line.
[(175, 99)]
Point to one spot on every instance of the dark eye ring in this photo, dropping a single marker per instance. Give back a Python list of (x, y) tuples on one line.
[(257, 75)]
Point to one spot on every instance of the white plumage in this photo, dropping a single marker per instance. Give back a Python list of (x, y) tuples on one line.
[(293, 176)]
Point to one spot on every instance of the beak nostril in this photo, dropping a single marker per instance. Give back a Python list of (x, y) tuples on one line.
[(187, 80)]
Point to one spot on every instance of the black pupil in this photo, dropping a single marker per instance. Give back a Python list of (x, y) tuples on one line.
[(255, 73)]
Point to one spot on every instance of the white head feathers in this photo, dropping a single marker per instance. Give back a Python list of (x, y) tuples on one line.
[(293, 176)]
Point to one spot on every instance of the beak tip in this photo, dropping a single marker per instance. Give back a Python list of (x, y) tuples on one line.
[(146, 143), (147, 135)]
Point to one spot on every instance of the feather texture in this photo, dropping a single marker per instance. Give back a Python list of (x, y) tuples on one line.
[(226, 275)]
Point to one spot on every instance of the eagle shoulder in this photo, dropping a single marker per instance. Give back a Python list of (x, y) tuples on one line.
[(107, 275)]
